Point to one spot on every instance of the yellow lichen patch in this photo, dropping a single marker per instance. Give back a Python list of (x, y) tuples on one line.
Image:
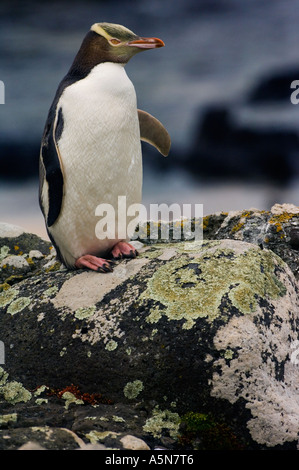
[(246, 213), (282, 218), (13, 279), (241, 223), (54, 267), (279, 220), (17, 248), (238, 227), (205, 222), (188, 289), (4, 286)]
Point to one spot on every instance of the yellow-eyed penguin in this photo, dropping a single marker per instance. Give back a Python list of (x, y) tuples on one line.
[(91, 150)]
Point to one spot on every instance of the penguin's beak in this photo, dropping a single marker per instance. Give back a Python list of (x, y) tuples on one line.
[(146, 43)]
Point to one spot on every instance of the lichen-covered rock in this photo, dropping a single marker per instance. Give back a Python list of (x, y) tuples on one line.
[(44, 437), (23, 254), (276, 229), (188, 327)]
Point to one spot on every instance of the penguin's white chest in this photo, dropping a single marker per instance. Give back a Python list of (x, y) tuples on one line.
[(100, 154)]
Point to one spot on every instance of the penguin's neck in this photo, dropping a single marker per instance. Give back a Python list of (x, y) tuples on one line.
[(107, 91), (92, 52), (106, 79)]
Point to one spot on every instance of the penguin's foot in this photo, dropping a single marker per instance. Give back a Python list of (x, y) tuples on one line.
[(123, 250), (96, 264)]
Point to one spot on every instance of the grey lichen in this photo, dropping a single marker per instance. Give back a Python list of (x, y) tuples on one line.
[(70, 398), (4, 250), (8, 296), (192, 287), (104, 323), (40, 401), (50, 292), (118, 419), (18, 305), (3, 377), (12, 392), (133, 389), (96, 436), (8, 418), (163, 421), (111, 345), (63, 351), (40, 390), (85, 312)]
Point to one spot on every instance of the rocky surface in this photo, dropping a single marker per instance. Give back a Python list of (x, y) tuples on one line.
[(192, 345)]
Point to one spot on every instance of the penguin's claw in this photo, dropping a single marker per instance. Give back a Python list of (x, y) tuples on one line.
[(94, 263), (123, 250)]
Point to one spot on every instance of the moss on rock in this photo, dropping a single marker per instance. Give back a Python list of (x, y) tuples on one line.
[(189, 289), (12, 391), (163, 422), (133, 389)]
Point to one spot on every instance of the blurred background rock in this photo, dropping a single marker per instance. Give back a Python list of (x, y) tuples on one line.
[(221, 86)]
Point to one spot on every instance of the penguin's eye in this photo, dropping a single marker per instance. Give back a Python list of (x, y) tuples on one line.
[(114, 41)]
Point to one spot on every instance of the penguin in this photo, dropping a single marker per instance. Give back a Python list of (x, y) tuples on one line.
[(90, 151)]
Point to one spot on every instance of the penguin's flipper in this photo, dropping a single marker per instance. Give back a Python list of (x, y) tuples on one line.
[(153, 132), (51, 174)]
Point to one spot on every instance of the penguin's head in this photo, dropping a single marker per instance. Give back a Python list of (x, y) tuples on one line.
[(115, 43), (119, 43), (107, 42)]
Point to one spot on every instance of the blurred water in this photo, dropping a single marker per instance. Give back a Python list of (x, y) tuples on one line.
[(215, 52)]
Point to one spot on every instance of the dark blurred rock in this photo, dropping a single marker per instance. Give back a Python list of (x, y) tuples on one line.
[(222, 148), (274, 88), (19, 160)]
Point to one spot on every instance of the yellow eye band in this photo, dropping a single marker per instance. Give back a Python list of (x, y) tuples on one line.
[(109, 31), (99, 30)]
